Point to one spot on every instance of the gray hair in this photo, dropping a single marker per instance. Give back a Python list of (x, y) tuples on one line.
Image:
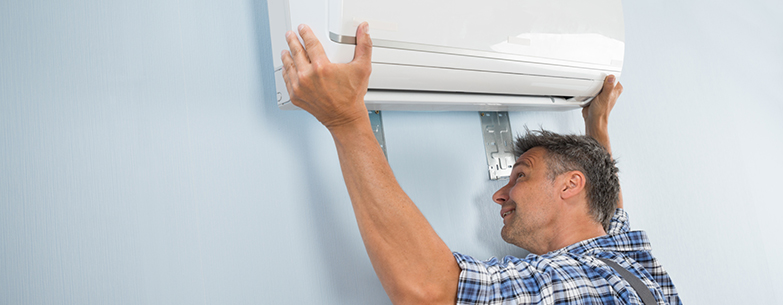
[(580, 153)]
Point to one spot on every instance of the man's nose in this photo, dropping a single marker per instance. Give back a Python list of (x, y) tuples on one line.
[(501, 196)]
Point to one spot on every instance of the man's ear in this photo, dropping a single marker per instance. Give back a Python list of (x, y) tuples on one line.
[(573, 184)]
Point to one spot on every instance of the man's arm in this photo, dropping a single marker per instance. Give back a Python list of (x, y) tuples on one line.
[(412, 262), (596, 116)]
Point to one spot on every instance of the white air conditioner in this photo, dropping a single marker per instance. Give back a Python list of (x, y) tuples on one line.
[(492, 55)]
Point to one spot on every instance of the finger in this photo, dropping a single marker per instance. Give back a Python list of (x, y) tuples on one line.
[(289, 73), (297, 51), (363, 51), (609, 83), (619, 88), (313, 47)]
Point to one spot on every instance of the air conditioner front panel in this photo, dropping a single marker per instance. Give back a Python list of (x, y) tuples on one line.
[(400, 69), (422, 78), (578, 31)]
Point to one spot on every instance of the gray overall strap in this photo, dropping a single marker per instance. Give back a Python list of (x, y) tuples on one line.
[(641, 289)]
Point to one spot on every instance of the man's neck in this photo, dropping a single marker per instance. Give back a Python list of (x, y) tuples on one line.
[(569, 232)]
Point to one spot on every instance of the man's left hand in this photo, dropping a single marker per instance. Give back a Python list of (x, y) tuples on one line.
[(333, 93)]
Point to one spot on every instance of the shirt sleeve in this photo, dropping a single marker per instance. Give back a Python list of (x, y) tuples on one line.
[(490, 282), (619, 223)]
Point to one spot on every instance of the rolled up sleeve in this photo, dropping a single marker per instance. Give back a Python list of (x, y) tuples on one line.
[(490, 282)]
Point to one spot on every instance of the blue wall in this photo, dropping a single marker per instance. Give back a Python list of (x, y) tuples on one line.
[(143, 159)]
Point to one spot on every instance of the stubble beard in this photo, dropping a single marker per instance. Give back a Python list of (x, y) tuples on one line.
[(514, 231), (520, 232)]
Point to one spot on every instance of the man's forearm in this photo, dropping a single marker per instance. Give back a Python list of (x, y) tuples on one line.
[(599, 131), (412, 262)]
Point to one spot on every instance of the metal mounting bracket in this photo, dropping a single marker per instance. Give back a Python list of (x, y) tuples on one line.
[(377, 128), (498, 143)]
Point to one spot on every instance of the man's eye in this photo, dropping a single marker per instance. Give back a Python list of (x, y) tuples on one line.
[(520, 175)]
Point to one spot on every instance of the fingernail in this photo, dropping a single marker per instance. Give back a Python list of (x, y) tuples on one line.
[(301, 27), (610, 78), (366, 28)]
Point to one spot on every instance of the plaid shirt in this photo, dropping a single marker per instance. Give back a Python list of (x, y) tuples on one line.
[(571, 275)]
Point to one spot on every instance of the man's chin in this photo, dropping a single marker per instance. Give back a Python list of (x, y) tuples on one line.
[(511, 238), (506, 236)]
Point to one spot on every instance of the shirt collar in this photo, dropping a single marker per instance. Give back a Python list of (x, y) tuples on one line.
[(624, 242)]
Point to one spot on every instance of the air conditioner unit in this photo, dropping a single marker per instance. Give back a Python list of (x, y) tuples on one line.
[(492, 55)]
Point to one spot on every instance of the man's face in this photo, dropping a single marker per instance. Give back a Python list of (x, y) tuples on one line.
[(528, 202)]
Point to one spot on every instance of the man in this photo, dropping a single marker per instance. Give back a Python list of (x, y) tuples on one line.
[(553, 206)]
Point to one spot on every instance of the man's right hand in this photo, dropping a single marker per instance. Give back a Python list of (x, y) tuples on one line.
[(332, 93), (596, 114)]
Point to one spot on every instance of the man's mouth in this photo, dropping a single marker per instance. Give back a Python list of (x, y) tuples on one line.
[(506, 213)]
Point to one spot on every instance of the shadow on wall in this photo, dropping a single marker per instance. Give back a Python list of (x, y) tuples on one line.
[(488, 231), (346, 280)]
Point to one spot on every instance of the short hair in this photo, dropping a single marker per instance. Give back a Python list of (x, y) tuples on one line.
[(581, 153)]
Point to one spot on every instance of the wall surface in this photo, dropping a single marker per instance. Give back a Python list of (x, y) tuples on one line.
[(143, 159)]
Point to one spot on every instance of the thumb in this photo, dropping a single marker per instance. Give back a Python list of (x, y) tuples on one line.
[(363, 51), (585, 112), (609, 83)]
